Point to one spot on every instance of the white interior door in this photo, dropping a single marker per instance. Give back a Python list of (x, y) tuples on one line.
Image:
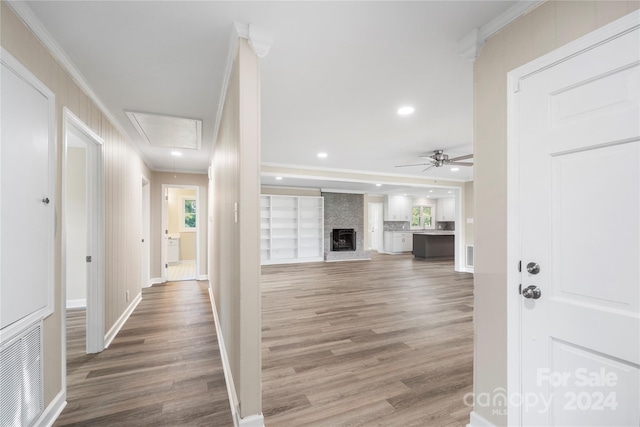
[(578, 127), (375, 226)]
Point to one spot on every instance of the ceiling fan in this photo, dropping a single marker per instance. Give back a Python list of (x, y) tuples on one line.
[(439, 159)]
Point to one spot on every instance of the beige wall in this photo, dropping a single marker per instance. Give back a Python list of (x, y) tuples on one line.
[(290, 191), (187, 238), (235, 252), (76, 224), (544, 29), (122, 171), (158, 179)]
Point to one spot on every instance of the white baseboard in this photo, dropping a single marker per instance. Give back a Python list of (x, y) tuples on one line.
[(476, 420), (77, 303), (252, 421), (121, 321), (226, 367), (156, 281), (203, 277), (468, 270), (53, 411)]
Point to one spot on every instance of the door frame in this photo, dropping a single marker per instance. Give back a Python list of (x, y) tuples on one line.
[(95, 232), (145, 259), (380, 238), (165, 226), (514, 324)]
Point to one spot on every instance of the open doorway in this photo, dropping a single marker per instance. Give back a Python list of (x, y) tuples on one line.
[(180, 232), (83, 233)]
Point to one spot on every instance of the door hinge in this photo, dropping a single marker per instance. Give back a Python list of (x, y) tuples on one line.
[(88, 258), (166, 231), (520, 266), (520, 288), (166, 266)]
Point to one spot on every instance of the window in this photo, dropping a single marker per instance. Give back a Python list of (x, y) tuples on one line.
[(422, 217), (188, 214)]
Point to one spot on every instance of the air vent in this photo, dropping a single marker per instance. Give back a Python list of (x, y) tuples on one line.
[(167, 131), (469, 258), (21, 393)]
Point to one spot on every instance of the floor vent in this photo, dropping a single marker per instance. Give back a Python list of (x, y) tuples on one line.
[(21, 394), (469, 256)]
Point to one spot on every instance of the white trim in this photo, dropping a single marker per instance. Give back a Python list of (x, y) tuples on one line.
[(226, 366), (53, 411), (252, 421), (156, 281), (145, 260), (507, 17), (602, 35), (121, 321), (468, 270), (292, 260), (203, 277), (76, 303), (363, 259), (95, 288), (22, 9), (476, 420)]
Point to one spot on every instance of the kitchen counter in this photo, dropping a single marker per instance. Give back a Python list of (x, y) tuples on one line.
[(436, 232), (434, 244)]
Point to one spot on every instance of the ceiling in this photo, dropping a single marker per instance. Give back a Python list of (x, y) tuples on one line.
[(332, 81)]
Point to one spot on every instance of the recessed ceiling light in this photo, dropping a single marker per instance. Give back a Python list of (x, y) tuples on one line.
[(455, 169), (176, 153), (449, 192), (378, 185), (430, 191), (278, 178), (404, 194), (322, 155), (406, 110)]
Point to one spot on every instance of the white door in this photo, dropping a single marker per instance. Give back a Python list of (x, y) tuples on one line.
[(375, 226), (578, 129)]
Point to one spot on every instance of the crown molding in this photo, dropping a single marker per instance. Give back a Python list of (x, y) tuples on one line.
[(27, 16), (469, 46)]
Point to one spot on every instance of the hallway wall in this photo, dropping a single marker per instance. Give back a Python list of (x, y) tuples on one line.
[(122, 168)]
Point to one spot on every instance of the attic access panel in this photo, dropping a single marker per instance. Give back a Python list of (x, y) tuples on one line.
[(168, 131)]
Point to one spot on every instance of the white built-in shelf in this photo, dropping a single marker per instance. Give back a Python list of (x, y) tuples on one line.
[(291, 229)]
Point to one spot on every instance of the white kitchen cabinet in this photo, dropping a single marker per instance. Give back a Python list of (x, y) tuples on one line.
[(291, 229), (397, 208), (397, 242), (446, 209)]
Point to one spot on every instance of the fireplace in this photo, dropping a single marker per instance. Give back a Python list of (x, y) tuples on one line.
[(343, 239)]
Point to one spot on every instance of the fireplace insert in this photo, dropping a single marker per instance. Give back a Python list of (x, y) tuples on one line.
[(343, 239)]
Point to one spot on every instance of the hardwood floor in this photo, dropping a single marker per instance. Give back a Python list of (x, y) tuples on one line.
[(387, 342), (163, 368)]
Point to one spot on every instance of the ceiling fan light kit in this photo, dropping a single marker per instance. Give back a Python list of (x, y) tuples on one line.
[(438, 159)]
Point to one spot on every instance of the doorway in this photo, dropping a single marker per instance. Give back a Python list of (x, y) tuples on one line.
[(145, 270), (375, 226), (181, 236), (83, 228)]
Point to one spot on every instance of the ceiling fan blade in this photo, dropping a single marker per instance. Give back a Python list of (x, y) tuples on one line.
[(461, 163), (429, 167), (416, 164), (455, 159)]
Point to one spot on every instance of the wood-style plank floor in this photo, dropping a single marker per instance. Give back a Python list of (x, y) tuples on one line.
[(163, 368), (387, 342)]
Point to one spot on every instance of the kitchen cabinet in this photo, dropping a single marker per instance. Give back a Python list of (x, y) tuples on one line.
[(397, 242), (291, 229), (397, 208), (446, 210)]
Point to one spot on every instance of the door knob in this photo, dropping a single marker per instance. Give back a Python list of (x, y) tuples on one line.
[(533, 268), (531, 292)]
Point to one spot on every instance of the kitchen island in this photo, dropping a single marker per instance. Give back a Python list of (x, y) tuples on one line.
[(434, 244)]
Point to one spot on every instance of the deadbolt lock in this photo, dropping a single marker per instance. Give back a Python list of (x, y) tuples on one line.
[(533, 268)]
